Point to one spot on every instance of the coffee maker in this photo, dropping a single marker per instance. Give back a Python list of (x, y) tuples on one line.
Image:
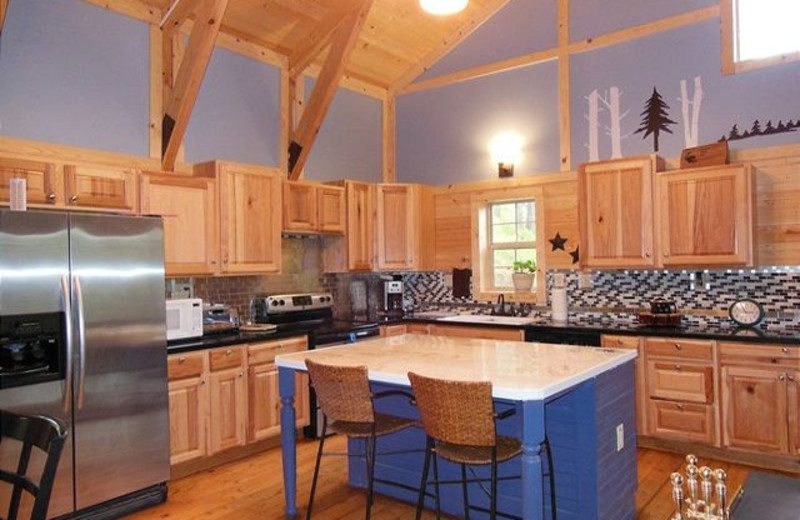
[(393, 297)]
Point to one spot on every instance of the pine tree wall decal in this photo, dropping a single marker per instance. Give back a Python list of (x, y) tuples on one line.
[(655, 118)]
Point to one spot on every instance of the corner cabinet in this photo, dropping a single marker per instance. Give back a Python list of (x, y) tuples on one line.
[(705, 216), (250, 204), (191, 222), (616, 212), (406, 228)]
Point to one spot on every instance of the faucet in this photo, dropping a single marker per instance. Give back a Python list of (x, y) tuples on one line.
[(500, 308)]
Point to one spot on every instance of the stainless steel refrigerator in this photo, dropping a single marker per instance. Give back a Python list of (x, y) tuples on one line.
[(103, 277)]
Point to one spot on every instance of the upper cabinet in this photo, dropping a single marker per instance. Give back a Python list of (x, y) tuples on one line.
[(42, 185), (191, 220), (360, 248), (405, 224), (97, 187), (705, 216), (616, 212), (250, 202), (313, 208)]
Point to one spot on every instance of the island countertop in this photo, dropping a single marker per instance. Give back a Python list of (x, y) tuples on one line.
[(517, 370)]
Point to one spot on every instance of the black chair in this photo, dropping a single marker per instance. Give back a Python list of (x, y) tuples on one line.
[(47, 435)]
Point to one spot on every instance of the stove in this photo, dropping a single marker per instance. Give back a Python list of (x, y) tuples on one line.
[(311, 314)]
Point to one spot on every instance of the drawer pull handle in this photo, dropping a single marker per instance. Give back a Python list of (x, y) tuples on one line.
[(678, 368), (228, 352), (678, 346), (181, 360), (785, 350), (680, 407), (73, 199), (51, 197), (790, 378), (782, 377)]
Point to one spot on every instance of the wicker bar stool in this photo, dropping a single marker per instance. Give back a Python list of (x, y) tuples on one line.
[(348, 408), (459, 421)]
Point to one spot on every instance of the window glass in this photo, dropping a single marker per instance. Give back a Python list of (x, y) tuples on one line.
[(766, 28), (512, 227)]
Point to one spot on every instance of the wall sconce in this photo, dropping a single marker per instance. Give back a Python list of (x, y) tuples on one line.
[(506, 151)]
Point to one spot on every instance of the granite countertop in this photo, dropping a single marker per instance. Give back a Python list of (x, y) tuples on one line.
[(517, 370), (227, 339)]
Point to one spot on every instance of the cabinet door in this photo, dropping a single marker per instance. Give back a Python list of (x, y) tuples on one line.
[(299, 207), (41, 186), (754, 409), (301, 397), (250, 207), (102, 188), (616, 213), (706, 216), (681, 421), (794, 413), (360, 222), (396, 232), (191, 226), (331, 209), (188, 411), (228, 409), (264, 403)]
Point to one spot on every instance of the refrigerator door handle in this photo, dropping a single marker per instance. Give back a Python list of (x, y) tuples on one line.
[(81, 341), (68, 333)]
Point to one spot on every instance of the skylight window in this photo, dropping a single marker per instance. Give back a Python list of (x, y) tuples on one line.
[(765, 29)]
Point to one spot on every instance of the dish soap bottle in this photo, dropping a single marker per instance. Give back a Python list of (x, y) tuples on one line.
[(558, 298)]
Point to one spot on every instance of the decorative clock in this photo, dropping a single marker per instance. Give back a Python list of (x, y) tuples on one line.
[(746, 312)]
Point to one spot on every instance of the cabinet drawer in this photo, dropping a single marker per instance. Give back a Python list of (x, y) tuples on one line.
[(749, 355), (264, 353), (683, 421), (418, 328), (392, 330), (223, 358), (680, 382), (680, 348), (629, 342), (478, 332), (182, 366)]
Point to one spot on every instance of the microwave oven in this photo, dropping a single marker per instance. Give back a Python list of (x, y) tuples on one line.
[(184, 318)]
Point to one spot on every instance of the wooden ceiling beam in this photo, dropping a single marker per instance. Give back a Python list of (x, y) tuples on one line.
[(448, 43), (342, 43), (178, 12), (319, 38), (190, 75), (3, 9)]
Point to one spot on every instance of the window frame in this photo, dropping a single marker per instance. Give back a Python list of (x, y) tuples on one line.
[(728, 33), (480, 206), (492, 246)]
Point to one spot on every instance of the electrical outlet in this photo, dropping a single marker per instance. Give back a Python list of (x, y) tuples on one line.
[(620, 436), (584, 280)]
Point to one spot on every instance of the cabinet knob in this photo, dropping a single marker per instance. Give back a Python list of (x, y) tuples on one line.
[(785, 350), (679, 406), (241, 374), (73, 199), (202, 381), (678, 368), (181, 360), (782, 377), (51, 197), (678, 346), (647, 255), (620, 342), (790, 378), (666, 255), (228, 352)]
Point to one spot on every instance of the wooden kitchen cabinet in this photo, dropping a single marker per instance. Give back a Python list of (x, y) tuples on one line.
[(794, 412), (405, 227), (300, 207), (388, 331), (461, 331), (227, 409), (250, 217), (97, 187), (705, 216), (331, 209), (616, 212), (43, 188), (633, 343), (755, 404), (356, 250), (191, 222), (188, 407), (682, 421)]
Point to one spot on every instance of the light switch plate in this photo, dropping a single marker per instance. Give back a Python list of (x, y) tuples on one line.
[(620, 437), (584, 280)]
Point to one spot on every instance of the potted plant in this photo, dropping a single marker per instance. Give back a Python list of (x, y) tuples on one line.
[(524, 275)]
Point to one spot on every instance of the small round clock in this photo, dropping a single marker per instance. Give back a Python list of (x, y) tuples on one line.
[(746, 312)]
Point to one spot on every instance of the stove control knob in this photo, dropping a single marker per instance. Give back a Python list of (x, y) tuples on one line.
[(282, 302)]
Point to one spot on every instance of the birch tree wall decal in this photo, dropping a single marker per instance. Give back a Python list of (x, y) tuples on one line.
[(655, 118), (691, 122)]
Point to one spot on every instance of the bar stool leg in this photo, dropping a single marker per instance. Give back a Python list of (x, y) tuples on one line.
[(369, 446), (316, 467), (493, 500), (436, 484), (464, 491), (423, 486)]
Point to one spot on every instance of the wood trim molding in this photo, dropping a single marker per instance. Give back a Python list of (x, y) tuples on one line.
[(447, 44), (727, 34), (190, 76), (389, 140), (564, 83), (42, 151), (343, 42)]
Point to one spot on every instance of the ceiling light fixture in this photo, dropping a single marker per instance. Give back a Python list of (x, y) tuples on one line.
[(443, 7)]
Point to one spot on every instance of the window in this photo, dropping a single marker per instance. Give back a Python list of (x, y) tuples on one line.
[(512, 237), (759, 32)]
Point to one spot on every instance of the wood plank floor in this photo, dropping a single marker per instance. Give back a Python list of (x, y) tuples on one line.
[(251, 489)]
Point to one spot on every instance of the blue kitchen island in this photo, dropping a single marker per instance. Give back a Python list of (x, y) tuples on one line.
[(581, 399)]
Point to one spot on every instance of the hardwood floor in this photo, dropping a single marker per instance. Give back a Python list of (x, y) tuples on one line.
[(251, 489)]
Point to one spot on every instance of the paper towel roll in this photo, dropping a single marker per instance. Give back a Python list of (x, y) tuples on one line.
[(558, 304)]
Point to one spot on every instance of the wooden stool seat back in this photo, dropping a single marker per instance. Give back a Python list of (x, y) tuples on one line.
[(456, 412), (343, 392)]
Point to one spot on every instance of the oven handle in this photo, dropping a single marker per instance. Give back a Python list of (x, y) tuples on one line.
[(67, 301), (81, 342)]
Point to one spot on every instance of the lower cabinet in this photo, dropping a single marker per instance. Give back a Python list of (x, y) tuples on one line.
[(227, 398), (633, 343), (459, 331), (794, 413), (682, 421), (393, 330)]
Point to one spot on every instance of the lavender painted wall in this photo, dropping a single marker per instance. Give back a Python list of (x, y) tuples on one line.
[(443, 134), (237, 115), (590, 18), (662, 61), (521, 27), (350, 142), (74, 74)]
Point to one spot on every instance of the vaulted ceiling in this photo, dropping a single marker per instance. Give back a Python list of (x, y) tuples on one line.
[(397, 37)]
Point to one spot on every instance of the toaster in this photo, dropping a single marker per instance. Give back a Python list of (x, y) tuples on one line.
[(218, 317)]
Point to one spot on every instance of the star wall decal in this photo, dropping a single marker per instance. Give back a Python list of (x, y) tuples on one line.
[(576, 255), (558, 242)]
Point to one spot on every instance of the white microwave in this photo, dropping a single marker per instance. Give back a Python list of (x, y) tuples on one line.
[(184, 318)]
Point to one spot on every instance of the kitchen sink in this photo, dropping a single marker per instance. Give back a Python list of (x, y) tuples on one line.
[(490, 320)]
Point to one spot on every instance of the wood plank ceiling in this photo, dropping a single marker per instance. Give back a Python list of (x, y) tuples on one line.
[(396, 37)]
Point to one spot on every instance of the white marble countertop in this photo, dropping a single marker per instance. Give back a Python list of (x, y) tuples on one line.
[(517, 370)]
